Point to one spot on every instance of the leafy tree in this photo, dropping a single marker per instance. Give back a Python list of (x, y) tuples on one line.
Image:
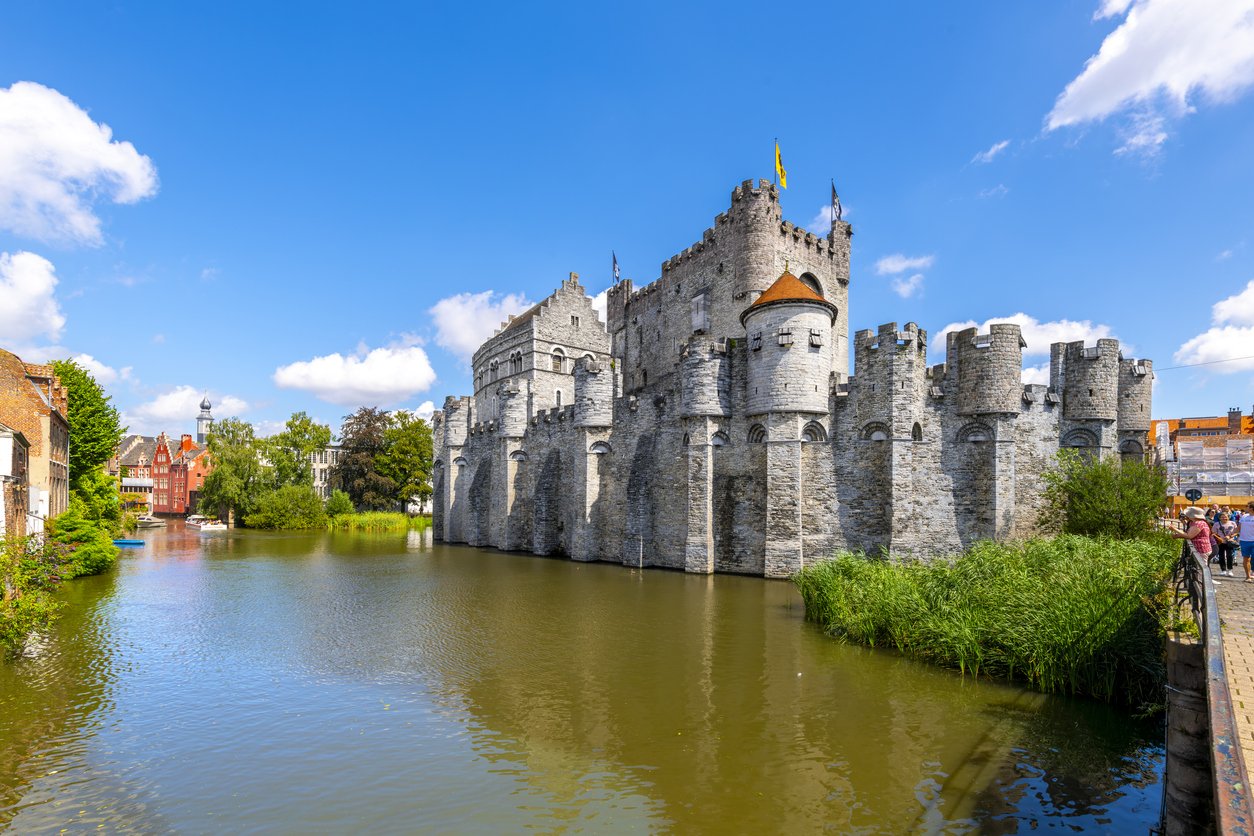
[(98, 492), (1106, 497), (95, 427), (339, 503), (406, 455), (289, 451), (239, 477), (291, 507), (363, 438)]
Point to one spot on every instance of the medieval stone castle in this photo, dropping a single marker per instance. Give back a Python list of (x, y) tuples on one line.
[(711, 424)]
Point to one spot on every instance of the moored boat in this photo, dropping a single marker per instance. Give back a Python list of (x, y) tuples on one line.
[(149, 521)]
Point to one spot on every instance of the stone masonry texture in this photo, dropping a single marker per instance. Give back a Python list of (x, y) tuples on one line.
[(690, 432)]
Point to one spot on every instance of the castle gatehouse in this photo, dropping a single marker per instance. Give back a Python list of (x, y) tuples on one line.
[(711, 423)]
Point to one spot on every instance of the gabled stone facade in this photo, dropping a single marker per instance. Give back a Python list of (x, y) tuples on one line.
[(711, 424)]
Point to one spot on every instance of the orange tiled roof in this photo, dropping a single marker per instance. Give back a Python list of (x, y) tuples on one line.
[(1217, 422), (788, 288)]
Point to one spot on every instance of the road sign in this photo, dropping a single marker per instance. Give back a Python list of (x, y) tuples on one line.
[(1193, 494)]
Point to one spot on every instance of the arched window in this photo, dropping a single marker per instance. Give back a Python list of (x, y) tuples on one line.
[(916, 432), (813, 431), (493, 368), (600, 448), (559, 360), (975, 433), (686, 441), (719, 439), (557, 397), (518, 456), (1079, 438), (757, 434), (875, 431), (1131, 451), (515, 363), (811, 281)]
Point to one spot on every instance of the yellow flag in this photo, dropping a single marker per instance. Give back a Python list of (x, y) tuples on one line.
[(779, 169)]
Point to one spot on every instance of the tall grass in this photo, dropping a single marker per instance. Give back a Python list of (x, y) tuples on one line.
[(378, 521), (1068, 615)]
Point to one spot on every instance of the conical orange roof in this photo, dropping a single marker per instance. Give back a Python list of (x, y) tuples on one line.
[(788, 288)]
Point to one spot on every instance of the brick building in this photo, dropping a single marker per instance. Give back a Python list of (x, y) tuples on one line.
[(14, 498), (34, 403)]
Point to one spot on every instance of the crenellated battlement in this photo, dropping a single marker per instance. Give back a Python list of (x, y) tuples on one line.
[(718, 429)]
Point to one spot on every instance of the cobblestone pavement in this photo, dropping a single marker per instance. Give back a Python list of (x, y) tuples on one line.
[(1235, 598)]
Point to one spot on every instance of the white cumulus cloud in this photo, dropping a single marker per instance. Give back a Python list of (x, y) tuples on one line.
[(425, 410), (104, 373), (1036, 374), (1038, 335), (29, 311), (1158, 61), (174, 411), (1231, 336), (599, 304), (907, 286), (370, 377), (822, 223), (991, 154), (463, 322), (54, 161), (898, 263)]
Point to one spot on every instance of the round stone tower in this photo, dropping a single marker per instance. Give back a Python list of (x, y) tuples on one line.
[(594, 394), (990, 369), (1136, 389), (789, 328), (1091, 390)]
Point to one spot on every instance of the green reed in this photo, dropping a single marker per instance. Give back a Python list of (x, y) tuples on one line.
[(378, 521), (1066, 615)]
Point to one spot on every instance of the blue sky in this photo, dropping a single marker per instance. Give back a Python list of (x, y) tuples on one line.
[(318, 207)]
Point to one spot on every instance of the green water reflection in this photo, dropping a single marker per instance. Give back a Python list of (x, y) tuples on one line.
[(333, 683)]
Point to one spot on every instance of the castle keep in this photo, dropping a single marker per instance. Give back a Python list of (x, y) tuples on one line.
[(711, 423)]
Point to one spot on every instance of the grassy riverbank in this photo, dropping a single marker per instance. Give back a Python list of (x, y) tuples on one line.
[(1068, 615), (378, 521)]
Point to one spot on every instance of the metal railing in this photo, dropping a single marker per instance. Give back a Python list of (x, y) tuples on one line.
[(1194, 585)]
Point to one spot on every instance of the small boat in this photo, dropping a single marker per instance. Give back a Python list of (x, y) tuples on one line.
[(212, 525), (195, 521), (128, 542), (149, 521)]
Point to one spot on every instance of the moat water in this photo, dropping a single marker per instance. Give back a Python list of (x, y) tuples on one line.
[(358, 683)]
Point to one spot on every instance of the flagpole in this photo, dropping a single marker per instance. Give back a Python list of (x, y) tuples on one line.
[(775, 161)]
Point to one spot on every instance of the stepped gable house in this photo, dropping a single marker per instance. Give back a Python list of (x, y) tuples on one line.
[(711, 423)]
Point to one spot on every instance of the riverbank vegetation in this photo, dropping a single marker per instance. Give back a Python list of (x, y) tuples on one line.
[(378, 521), (79, 541), (1082, 612), (30, 570), (1072, 614), (384, 462)]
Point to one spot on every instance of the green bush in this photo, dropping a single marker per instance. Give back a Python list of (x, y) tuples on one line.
[(30, 569), (88, 543), (1102, 498), (291, 507), (339, 503), (1070, 615)]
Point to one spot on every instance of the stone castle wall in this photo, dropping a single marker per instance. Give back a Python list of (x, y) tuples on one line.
[(689, 440)]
